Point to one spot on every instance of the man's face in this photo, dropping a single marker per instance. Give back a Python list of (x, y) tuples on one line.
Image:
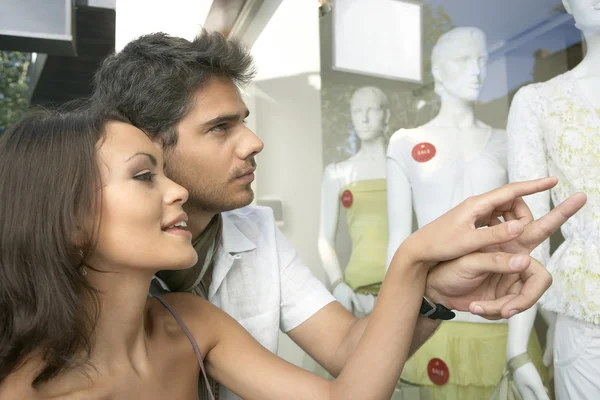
[(214, 155)]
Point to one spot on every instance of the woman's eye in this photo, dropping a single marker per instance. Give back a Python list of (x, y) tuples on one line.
[(146, 177)]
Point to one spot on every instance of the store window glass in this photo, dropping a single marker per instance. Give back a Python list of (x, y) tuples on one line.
[(426, 103)]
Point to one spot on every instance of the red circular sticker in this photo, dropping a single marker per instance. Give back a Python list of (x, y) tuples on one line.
[(438, 372), (423, 152), (347, 198)]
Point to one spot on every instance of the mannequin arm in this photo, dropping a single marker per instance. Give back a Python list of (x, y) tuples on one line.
[(527, 378), (519, 331), (327, 232), (399, 200), (527, 160), (550, 318), (328, 224)]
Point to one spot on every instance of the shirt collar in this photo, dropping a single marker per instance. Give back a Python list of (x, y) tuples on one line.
[(234, 240)]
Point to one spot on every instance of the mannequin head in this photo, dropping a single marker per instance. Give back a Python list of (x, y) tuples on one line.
[(586, 14), (458, 61), (370, 111)]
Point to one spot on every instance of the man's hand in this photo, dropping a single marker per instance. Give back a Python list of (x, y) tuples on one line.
[(457, 232), (492, 285)]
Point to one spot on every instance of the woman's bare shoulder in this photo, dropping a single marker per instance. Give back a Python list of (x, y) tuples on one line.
[(186, 305), (198, 315)]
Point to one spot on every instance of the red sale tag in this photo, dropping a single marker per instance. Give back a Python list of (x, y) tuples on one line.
[(438, 372), (347, 198), (423, 152)]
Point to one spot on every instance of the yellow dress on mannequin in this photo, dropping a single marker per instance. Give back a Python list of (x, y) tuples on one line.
[(366, 212)]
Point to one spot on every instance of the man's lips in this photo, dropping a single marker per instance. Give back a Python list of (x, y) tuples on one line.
[(246, 173)]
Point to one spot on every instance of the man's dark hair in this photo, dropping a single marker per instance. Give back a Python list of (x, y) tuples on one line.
[(151, 81)]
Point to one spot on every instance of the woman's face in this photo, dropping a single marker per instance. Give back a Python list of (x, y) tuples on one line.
[(142, 223)]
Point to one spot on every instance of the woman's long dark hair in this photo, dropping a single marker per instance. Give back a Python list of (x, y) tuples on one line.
[(50, 194)]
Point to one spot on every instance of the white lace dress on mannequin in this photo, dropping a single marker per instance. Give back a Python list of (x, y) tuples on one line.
[(554, 130)]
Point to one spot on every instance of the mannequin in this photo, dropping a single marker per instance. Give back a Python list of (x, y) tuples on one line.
[(431, 169), (553, 128), (358, 184)]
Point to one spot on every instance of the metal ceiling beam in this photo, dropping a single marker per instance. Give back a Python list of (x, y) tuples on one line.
[(223, 14), (241, 19)]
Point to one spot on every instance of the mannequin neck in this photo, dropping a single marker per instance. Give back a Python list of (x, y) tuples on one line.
[(456, 112), (590, 62), (372, 148)]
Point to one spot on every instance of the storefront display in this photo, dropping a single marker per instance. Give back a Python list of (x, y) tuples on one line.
[(450, 143)]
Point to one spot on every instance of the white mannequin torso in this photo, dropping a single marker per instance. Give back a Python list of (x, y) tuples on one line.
[(472, 156), (478, 165), (359, 167), (468, 161)]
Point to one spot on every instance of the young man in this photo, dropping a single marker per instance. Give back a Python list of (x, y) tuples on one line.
[(185, 96)]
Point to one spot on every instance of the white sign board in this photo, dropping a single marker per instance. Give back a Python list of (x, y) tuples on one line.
[(378, 38)]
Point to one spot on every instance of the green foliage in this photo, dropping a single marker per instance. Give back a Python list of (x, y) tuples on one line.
[(339, 139), (14, 68), (435, 24)]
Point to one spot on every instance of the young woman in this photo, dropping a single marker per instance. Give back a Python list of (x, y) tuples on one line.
[(88, 217)]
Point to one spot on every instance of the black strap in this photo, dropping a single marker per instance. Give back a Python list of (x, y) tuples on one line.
[(442, 313), (435, 311)]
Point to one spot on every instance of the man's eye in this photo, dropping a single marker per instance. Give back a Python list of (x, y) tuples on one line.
[(220, 128)]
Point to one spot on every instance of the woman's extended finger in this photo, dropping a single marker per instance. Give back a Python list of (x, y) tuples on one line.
[(551, 222), (506, 194)]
